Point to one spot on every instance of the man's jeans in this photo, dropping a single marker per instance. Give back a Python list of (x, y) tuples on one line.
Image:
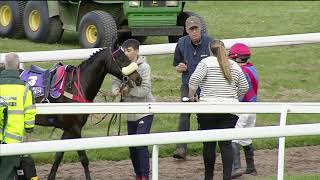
[(184, 119)]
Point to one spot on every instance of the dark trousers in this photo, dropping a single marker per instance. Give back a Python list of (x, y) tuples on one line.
[(217, 121), (184, 119), (140, 155), (8, 165)]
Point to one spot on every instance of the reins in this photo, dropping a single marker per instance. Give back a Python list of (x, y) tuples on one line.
[(114, 117)]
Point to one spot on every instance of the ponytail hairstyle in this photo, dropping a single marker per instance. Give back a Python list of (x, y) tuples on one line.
[(218, 50)]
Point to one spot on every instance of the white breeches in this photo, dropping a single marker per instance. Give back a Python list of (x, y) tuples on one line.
[(245, 121)]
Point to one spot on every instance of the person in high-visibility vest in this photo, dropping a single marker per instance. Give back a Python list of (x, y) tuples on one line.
[(20, 114)]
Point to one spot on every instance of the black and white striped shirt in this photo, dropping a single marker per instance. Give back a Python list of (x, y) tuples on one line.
[(213, 85)]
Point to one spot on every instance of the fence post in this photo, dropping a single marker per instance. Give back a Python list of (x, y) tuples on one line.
[(155, 162), (281, 151)]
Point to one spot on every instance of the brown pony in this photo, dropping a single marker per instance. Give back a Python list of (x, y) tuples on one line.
[(92, 73)]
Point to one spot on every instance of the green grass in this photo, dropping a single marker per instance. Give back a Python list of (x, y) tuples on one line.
[(287, 73), (295, 177)]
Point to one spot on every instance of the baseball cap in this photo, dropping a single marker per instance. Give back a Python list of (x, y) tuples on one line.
[(193, 21)]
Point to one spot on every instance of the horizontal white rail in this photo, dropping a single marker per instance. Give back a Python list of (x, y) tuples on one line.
[(158, 138), (276, 40), (175, 107), (79, 54)]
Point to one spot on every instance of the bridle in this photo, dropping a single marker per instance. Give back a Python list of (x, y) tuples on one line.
[(125, 78)]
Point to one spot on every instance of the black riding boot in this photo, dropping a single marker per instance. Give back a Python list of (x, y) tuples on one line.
[(248, 152), (209, 157), (236, 166)]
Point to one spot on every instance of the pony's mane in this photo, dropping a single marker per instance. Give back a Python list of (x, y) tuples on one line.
[(93, 56)]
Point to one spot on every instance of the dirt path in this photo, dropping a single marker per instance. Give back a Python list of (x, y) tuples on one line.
[(298, 160)]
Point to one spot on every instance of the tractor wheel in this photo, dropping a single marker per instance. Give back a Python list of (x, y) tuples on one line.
[(55, 31), (36, 21), (182, 21), (97, 29), (11, 24)]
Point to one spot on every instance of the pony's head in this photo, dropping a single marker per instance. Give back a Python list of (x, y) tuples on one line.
[(129, 71)]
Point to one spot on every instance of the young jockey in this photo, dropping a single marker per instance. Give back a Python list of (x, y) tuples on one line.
[(241, 53), (137, 123)]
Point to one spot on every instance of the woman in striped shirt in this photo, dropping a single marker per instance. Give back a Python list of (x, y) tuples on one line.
[(220, 80)]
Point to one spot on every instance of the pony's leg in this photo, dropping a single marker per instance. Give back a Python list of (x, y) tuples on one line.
[(82, 154), (85, 163), (58, 158), (54, 169)]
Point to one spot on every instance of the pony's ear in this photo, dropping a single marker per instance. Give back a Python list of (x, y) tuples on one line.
[(118, 53)]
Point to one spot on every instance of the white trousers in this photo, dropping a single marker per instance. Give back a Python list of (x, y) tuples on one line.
[(245, 121)]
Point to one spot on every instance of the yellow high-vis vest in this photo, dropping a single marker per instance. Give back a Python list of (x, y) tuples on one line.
[(20, 114)]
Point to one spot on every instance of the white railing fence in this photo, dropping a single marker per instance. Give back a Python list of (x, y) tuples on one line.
[(157, 139), (179, 137)]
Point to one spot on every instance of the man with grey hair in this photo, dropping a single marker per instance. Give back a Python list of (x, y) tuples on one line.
[(21, 113), (11, 61), (190, 50)]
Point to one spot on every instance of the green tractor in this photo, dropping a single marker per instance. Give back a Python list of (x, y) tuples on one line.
[(98, 23)]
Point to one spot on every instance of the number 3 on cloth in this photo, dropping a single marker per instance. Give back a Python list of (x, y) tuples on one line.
[(32, 80)]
